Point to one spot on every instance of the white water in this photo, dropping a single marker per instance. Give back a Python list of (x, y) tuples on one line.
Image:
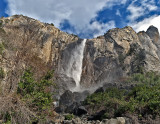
[(74, 68)]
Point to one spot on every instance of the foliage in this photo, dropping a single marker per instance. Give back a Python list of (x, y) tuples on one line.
[(1, 23), (2, 73), (52, 24), (36, 94), (2, 30), (1, 48), (7, 118), (69, 117), (6, 20), (142, 99), (97, 98)]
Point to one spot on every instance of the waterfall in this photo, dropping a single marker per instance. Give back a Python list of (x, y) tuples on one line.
[(74, 68)]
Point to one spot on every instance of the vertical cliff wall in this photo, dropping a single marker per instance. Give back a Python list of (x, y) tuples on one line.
[(119, 53), (27, 42)]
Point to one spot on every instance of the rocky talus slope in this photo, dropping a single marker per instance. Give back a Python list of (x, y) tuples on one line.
[(28, 43)]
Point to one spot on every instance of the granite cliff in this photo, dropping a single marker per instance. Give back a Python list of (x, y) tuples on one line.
[(29, 43)]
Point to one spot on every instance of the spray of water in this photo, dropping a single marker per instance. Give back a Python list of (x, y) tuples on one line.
[(74, 68)]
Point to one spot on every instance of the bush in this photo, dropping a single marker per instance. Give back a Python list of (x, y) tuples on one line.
[(2, 73), (6, 117), (1, 48), (6, 20), (69, 117), (36, 94), (142, 99), (1, 23), (27, 84), (2, 30), (52, 24), (98, 98)]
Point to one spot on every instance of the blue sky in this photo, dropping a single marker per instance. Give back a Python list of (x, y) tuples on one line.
[(87, 18)]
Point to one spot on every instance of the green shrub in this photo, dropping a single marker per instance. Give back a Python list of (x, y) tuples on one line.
[(143, 97), (2, 73), (69, 117), (7, 118), (2, 30), (52, 24), (110, 93), (27, 84), (6, 20), (36, 94), (1, 23), (1, 48)]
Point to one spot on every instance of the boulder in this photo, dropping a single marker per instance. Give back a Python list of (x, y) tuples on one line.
[(67, 98), (121, 120), (72, 108), (81, 110), (97, 116), (101, 90), (70, 102), (80, 96)]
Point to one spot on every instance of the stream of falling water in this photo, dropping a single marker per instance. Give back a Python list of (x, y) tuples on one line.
[(75, 65)]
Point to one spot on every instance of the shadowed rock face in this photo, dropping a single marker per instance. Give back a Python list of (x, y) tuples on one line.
[(109, 57), (153, 33), (30, 43), (152, 61), (118, 53)]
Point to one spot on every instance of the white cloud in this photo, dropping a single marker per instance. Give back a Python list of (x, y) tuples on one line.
[(145, 7), (137, 11), (143, 25), (101, 27), (118, 13), (78, 12)]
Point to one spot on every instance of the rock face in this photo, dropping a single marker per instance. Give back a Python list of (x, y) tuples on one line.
[(153, 33), (30, 43), (118, 53)]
